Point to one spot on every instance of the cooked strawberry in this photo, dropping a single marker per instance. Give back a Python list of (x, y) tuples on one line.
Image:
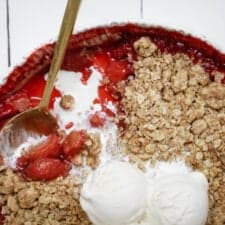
[(22, 162), (74, 143), (28, 96), (96, 120), (50, 148), (115, 70), (104, 94), (46, 169), (19, 102), (14, 104), (69, 125)]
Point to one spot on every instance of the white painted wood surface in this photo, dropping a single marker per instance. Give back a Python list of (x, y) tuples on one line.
[(32, 24), (36, 22), (202, 18), (3, 39)]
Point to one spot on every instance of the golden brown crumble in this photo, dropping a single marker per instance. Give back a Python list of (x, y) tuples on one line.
[(172, 109), (38, 203), (90, 155), (67, 102)]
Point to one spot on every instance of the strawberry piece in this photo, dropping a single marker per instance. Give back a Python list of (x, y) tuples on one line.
[(74, 143), (69, 125), (19, 101), (50, 148), (14, 104), (29, 96), (115, 70), (22, 162), (104, 94), (46, 169), (96, 120)]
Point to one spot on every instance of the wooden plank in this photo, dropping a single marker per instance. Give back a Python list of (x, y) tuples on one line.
[(203, 18), (36, 22), (3, 40)]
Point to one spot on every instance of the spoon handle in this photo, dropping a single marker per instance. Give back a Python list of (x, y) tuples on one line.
[(69, 18)]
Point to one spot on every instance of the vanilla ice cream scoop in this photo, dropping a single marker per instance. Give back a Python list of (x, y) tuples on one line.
[(114, 194), (179, 199)]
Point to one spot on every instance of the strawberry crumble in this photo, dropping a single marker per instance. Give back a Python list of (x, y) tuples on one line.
[(141, 94)]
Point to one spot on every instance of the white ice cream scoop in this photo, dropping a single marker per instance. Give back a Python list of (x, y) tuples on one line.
[(115, 194), (179, 199)]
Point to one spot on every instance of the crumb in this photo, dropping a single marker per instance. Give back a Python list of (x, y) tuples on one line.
[(93, 150), (90, 154), (67, 102)]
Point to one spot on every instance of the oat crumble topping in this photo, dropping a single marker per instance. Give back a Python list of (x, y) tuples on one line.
[(67, 102), (173, 110), (40, 203), (90, 155)]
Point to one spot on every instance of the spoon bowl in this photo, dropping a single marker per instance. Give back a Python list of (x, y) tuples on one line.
[(33, 122), (39, 121)]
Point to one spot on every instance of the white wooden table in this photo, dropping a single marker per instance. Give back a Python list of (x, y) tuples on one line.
[(27, 24)]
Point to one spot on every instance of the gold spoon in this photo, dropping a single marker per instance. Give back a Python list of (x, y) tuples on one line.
[(39, 121)]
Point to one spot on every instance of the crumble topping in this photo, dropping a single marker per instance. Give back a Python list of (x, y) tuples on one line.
[(67, 102), (173, 110), (90, 155), (40, 203)]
